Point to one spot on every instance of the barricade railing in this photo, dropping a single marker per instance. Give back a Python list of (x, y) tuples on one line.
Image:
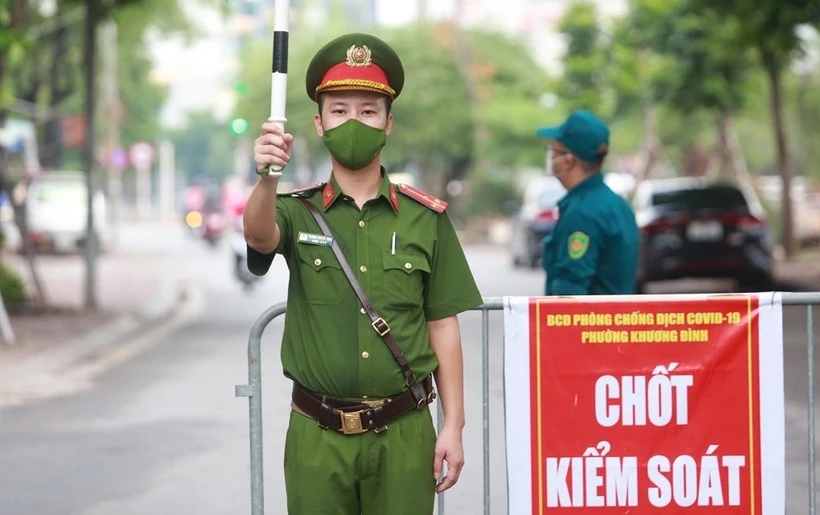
[(253, 391)]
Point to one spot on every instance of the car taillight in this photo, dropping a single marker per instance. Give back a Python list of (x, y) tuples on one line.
[(750, 223), (550, 215), (656, 226), (744, 222)]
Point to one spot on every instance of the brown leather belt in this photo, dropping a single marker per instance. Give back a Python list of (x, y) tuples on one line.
[(352, 418)]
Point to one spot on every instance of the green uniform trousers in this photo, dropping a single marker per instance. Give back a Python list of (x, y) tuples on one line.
[(391, 473)]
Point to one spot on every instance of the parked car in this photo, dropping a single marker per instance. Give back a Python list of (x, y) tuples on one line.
[(535, 220), (56, 212), (695, 228)]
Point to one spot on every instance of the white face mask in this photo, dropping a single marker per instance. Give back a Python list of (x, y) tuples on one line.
[(551, 163)]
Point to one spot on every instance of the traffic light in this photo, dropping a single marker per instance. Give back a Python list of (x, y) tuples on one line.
[(241, 88), (239, 126)]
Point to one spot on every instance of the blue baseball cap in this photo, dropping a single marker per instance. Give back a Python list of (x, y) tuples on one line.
[(583, 133)]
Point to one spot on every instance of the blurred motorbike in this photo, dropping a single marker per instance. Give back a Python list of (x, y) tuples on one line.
[(206, 225)]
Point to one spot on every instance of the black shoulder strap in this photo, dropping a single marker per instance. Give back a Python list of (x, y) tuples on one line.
[(377, 322)]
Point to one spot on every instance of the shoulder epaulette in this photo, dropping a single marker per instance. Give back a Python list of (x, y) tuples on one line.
[(423, 198), (301, 192)]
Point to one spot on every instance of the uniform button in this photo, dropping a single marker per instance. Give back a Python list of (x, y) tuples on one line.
[(365, 354), (317, 262), (363, 268), (408, 266), (363, 311), (361, 223)]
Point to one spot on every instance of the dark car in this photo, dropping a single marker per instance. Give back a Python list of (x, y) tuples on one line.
[(696, 228), (535, 220)]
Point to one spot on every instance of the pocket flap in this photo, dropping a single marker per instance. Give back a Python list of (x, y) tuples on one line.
[(317, 258), (408, 263)]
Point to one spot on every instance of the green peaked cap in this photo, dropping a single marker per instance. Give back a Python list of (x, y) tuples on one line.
[(356, 62)]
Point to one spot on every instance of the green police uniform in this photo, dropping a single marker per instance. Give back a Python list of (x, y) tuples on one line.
[(593, 249), (329, 345)]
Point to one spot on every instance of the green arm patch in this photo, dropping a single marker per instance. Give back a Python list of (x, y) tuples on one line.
[(577, 245)]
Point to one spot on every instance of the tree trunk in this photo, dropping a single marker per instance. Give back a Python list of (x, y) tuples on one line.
[(695, 162), (432, 180), (783, 165), (651, 144), (738, 160), (651, 147), (52, 157), (724, 151)]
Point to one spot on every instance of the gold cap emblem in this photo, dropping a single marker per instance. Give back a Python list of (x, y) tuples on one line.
[(359, 56)]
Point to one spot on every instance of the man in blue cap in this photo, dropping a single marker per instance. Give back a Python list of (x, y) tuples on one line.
[(593, 249)]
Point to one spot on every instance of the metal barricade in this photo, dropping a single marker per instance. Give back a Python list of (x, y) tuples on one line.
[(253, 390)]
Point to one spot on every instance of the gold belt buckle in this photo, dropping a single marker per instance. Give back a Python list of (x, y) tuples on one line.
[(352, 423)]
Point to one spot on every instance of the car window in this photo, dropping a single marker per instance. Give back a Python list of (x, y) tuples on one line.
[(716, 197), (61, 192)]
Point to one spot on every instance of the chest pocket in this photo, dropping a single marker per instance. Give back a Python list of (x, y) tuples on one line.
[(320, 274), (404, 277)]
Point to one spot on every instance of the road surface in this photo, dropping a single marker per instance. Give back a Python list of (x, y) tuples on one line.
[(164, 434)]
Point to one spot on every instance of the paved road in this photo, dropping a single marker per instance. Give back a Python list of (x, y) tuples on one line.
[(164, 434)]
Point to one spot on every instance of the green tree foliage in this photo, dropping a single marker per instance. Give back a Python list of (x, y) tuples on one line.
[(203, 147), (704, 69), (510, 91), (48, 64), (770, 28), (435, 127), (583, 85)]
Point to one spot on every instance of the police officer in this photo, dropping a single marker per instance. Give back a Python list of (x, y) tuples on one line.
[(593, 249), (361, 439)]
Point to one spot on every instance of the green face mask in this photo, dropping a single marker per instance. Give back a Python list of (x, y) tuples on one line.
[(354, 144)]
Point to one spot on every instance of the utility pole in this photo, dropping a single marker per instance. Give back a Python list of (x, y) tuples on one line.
[(466, 64), (88, 153), (422, 8), (167, 179), (112, 102)]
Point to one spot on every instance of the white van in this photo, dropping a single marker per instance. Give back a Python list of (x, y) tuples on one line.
[(56, 212)]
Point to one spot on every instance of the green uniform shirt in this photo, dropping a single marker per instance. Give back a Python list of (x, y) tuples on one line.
[(593, 249), (329, 345)]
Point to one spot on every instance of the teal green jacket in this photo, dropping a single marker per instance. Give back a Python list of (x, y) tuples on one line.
[(593, 249)]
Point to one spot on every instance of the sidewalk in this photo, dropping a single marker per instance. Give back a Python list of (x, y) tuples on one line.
[(143, 294), (140, 286), (801, 273)]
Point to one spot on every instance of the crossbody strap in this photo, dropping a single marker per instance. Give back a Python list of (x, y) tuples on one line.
[(377, 322)]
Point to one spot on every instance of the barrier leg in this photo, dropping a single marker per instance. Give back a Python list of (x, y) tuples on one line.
[(485, 358), (253, 391), (810, 389)]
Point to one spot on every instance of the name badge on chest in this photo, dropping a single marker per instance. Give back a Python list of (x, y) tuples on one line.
[(315, 239)]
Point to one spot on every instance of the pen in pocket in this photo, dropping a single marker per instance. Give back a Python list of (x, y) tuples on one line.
[(393, 245)]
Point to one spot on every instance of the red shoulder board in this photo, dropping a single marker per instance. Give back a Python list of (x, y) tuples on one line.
[(423, 198), (300, 192)]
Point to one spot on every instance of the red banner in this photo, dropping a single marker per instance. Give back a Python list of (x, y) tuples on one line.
[(645, 407)]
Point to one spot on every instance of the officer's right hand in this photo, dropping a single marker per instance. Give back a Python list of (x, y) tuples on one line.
[(272, 147)]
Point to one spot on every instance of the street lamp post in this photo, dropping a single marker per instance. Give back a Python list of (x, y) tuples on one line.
[(88, 153)]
